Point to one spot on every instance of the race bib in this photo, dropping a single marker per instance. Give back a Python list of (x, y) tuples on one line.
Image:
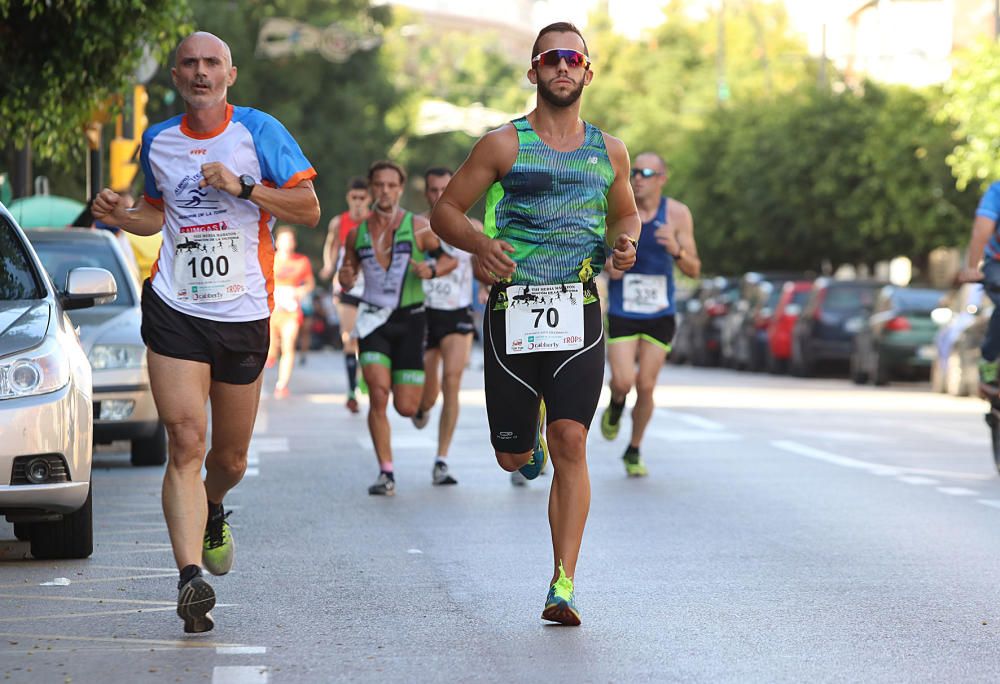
[(644, 294), (369, 319), (209, 264), (442, 293), (544, 318)]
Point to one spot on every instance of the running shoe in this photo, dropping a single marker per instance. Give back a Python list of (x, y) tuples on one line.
[(988, 378), (634, 466), (440, 474), (384, 486), (219, 548), (611, 421), (420, 418), (281, 392), (518, 480), (352, 404), (195, 598), (539, 456), (560, 605)]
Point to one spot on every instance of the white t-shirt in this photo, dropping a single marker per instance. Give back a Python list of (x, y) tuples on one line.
[(453, 290)]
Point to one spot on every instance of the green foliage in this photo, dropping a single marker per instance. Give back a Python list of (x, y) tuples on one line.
[(973, 101), (61, 59)]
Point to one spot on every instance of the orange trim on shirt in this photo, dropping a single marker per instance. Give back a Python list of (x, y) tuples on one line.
[(158, 203), (211, 134), (154, 269), (308, 174), (265, 255)]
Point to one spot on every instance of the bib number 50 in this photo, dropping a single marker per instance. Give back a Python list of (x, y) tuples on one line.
[(206, 266)]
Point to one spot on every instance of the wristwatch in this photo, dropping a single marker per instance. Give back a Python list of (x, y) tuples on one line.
[(434, 272), (247, 184)]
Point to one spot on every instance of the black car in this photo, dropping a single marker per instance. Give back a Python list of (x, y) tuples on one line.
[(705, 317), (832, 316)]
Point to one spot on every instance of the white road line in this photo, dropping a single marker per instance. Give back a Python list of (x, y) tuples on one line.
[(266, 444), (252, 472), (240, 650), (917, 480), (843, 461), (239, 674), (992, 503), (690, 419), (844, 436), (957, 491), (673, 435)]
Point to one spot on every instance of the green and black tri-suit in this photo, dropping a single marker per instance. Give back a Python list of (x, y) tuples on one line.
[(392, 305)]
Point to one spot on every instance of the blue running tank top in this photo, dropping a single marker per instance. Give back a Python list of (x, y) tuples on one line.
[(651, 260)]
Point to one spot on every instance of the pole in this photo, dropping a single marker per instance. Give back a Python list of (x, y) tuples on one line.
[(21, 182)]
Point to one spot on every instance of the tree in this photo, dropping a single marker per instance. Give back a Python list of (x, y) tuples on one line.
[(62, 59), (973, 101)]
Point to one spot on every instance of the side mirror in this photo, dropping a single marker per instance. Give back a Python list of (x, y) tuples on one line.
[(86, 287)]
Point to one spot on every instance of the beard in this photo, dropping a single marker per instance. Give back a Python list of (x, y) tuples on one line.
[(560, 100)]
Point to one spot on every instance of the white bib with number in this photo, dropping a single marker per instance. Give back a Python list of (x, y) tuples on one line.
[(544, 318), (209, 265), (644, 294)]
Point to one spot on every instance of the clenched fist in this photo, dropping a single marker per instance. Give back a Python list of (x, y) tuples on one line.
[(623, 254), (216, 175), (109, 207)]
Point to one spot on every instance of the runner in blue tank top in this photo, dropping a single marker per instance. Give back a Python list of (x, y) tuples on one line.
[(641, 302)]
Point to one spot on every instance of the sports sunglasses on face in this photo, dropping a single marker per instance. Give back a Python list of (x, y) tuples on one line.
[(573, 58), (645, 173)]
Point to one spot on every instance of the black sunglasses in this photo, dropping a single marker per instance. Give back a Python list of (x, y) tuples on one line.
[(645, 173)]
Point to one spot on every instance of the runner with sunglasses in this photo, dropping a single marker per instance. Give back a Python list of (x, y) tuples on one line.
[(558, 200), (641, 310)]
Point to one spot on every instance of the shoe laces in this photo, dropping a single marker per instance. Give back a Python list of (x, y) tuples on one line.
[(215, 533), (563, 587)]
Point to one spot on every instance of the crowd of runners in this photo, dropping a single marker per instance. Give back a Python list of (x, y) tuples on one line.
[(563, 204)]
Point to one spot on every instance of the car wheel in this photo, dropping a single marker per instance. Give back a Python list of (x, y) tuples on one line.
[(22, 531), (71, 537), (150, 451)]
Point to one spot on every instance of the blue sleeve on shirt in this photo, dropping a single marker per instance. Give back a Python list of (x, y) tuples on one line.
[(989, 206), (281, 159), (149, 188)]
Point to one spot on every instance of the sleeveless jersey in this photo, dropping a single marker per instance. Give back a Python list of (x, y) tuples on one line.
[(552, 208), (396, 287), (217, 256), (453, 290), (347, 224), (651, 259), (289, 275)]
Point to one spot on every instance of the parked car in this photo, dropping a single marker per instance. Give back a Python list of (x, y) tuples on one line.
[(960, 310), (682, 348), (123, 403), (825, 330), (45, 399), (794, 295), (897, 338), (745, 331), (963, 360), (706, 315)]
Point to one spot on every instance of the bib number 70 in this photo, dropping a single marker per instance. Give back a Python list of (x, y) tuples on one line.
[(551, 316)]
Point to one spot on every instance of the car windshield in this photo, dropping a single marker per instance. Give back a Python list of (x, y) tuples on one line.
[(59, 257), (917, 300), (18, 279), (848, 298)]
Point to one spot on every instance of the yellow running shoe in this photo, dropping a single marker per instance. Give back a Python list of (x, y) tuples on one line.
[(560, 605), (218, 549)]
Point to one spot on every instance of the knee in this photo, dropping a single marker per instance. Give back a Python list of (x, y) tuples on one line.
[(451, 381), (231, 462), (378, 398), (567, 440), (511, 462), (621, 385), (187, 443), (405, 407), (644, 387)]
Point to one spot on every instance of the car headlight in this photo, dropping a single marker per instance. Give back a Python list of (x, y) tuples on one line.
[(41, 370), (106, 356)]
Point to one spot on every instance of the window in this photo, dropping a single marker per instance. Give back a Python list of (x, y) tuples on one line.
[(18, 279)]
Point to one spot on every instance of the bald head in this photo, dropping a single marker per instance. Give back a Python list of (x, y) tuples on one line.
[(652, 160), (647, 189), (204, 43)]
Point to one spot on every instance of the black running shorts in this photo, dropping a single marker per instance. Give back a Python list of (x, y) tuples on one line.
[(659, 331), (444, 322), (235, 351), (398, 344), (569, 381), (348, 299)]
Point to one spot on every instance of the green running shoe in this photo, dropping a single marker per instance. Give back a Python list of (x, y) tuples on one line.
[(634, 466), (611, 421), (540, 455), (560, 605), (219, 548)]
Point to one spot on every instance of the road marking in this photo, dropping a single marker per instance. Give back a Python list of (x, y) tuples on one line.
[(843, 461), (691, 419), (844, 436), (240, 650), (674, 435), (96, 580), (992, 503), (957, 491), (240, 674), (94, 599), (917, 480), (252, 472), (266, 444), (119, 640), (400, 442)]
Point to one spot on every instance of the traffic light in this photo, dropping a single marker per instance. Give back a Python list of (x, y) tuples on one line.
[(124, 163)]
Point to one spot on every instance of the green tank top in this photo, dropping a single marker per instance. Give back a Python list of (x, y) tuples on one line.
[(552, 208), (397, 286)]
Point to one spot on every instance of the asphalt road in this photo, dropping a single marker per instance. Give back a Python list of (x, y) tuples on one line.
[(790, 530)]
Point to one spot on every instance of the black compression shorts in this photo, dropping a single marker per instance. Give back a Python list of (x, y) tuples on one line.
[(659, 331), (443, 322), (235, 351), (398, 344), (569, 381)]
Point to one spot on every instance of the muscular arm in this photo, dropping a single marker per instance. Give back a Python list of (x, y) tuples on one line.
[(331, 247), (427, 241), (686, 257), (982, 229), (297, 204), (623, 216), (349, 268), (143, 219)]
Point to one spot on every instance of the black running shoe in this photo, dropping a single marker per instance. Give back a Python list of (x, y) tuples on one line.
[(384, 486), (195, 598)]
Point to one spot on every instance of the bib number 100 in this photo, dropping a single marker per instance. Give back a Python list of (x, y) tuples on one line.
[(206, 266), (551, 316)]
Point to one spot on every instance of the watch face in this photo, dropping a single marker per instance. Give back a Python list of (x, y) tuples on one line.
[(247, 180)]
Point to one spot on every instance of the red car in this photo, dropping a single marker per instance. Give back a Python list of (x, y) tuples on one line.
[(779, 333)]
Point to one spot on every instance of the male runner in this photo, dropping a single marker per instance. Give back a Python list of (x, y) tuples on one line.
[(391, 248), (449, 335), (215, 180), (985, 242), (358, 202), (559, 199), (293, 281), (641, 311)]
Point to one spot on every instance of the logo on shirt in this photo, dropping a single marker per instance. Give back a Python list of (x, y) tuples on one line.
[(199, 150), (592, 160)]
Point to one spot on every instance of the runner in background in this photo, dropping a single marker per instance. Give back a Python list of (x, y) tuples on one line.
[(293, 284)]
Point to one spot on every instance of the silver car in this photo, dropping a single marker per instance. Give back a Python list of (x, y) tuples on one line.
[(123, 402), (46, 418)]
